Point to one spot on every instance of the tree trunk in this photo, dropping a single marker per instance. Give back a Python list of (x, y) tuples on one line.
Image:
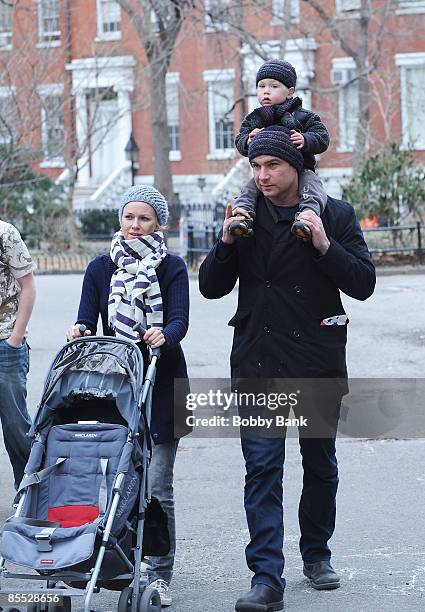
[(361, 143), (161, 143)]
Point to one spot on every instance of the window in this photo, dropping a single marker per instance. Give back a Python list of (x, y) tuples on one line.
[(412, 77), (173, 115), (278, 11), (216, 15), (8, 115), (108, 19), (349, 109), (154, 22), (223, 125), (52, 128), (220, 112), (48, 20), (5, 26), (343, 70), (410, 7), (347, 5)]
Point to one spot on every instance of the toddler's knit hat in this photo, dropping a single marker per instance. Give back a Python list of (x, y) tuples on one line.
[(276, 140), (149, 195), (279, 70)]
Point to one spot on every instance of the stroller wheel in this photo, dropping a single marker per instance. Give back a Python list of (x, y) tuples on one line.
[(124, 602), (150, 600)]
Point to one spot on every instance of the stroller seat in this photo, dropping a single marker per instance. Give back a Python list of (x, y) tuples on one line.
[(77, 491), (71, 500)]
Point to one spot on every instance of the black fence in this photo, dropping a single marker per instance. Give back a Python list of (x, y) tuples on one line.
[(396, 239), (201, 226), (198, 225), (385, 240)]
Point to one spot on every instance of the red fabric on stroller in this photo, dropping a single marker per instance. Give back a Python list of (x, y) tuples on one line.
[(73, 516)]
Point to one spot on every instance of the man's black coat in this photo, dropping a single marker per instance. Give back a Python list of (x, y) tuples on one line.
[(286, 288)]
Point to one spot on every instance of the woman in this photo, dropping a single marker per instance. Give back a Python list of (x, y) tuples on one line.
[(138, 281)]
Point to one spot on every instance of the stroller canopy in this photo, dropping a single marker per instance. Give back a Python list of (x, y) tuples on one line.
[(88, 370)]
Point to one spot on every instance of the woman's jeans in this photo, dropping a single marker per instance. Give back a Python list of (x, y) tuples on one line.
[(15, 420), (161, 472)]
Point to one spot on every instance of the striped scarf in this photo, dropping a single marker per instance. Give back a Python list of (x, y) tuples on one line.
[(135, 295)]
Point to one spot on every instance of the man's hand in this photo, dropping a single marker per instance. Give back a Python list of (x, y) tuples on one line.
[(253, 133), (25, 305), (232, 214), (14, 340), (154, 337), (74, 332), (318, 235), (298, 139)]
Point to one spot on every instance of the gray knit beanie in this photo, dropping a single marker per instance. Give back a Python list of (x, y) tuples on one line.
[(279, 70), (149, 195), (276, 140)]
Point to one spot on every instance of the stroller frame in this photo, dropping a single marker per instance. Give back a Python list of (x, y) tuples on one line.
[(141, 593)]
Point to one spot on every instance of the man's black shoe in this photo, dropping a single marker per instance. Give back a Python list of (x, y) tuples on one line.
[(261, 598), (322, 575)]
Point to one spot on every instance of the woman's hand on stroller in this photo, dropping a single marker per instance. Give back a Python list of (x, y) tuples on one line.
[(76, 331), (154, 337)]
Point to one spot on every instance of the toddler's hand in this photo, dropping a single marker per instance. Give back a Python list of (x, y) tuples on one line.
[(298, 139), (253, 133)]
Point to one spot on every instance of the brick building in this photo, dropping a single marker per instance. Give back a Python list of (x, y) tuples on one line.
[(73, 77)]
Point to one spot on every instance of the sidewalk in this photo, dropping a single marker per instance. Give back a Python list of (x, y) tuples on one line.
[(377, 546)]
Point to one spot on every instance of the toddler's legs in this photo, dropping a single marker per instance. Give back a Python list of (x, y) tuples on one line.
[(312, 197), (247, 200)]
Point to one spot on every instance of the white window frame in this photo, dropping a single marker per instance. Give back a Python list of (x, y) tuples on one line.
[(410, 7), (6, 35), (405, 61), (211, 78), (209, 24), (348, 65), (348, 9), (47, 39), (277, 12), (173, 78), (44, 91), (101, 35), (7, 92)]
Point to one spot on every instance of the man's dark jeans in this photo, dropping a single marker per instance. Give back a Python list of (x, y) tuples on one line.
[(264, 460)]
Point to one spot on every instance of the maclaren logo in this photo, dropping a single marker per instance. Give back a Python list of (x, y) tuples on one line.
[(127, 493), (85, 435), (46, 561)]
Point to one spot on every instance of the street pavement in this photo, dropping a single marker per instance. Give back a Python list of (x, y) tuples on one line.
[(378, 545)]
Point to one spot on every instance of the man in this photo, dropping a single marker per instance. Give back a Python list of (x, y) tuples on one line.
[(17, 296), (286, 290)]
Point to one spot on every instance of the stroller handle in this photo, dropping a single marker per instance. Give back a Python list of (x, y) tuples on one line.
[(142, 331), (82, 329)]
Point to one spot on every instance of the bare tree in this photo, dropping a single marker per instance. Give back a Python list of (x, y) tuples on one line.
[(360, 37), (37, 121), (354, 37), (158, 24)]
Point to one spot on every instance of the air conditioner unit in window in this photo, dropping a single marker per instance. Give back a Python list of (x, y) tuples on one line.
[(341, 76)]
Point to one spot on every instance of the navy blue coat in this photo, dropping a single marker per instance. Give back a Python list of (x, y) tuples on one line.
[(286, 288), (174, 283)]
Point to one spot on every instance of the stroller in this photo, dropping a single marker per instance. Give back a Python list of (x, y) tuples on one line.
[(85, 517)]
